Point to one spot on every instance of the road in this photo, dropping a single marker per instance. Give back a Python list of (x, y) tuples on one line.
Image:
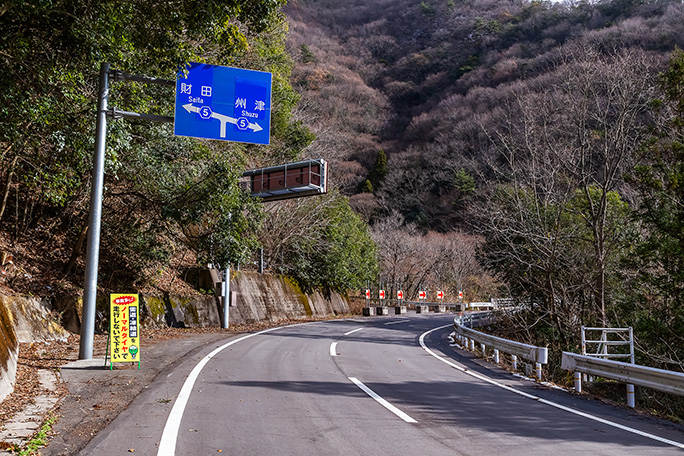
[(382, 386)]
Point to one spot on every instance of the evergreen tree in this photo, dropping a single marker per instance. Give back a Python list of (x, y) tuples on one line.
[(658, 307), (366, 187), (379, 170)]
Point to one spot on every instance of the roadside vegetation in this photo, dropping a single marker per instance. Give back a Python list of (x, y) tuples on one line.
[(530, 150), (169, 202), (545, 136)]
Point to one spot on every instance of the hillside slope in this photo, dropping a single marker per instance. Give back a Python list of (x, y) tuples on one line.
[(426, 82)]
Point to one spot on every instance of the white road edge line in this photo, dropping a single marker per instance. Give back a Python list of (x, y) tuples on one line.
[(333, 349), (167, 444), (539, 399), (353, 331), (396, 322), (382, 401)]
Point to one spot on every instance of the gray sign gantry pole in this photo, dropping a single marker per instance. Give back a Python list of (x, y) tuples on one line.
[(94, 224), (225, 322), (95, 218)]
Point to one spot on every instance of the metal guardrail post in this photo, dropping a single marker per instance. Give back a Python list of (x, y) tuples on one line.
[(578, 381), (630, 396)]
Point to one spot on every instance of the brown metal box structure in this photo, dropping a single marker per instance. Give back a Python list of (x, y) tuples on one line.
[(292, 180)]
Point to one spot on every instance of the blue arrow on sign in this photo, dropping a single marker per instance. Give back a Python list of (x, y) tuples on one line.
[(217, 102)]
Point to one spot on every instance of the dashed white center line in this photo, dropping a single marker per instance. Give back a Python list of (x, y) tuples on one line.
[(382, 401), (396, 322), (333, 346)]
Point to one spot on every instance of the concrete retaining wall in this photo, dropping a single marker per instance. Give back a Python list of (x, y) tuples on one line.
[(9, 350), (22, 320), (264, 297), (175, 312), (260, 298)]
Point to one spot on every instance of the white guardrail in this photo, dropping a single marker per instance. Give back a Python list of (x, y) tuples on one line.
[(631, 374), (468, 336), (634, 374)]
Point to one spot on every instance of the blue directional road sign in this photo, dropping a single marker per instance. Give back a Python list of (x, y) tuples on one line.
[(217, 102)]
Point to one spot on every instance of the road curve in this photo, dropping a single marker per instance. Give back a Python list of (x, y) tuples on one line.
[(354, 387)]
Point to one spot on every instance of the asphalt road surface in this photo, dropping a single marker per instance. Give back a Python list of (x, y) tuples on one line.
[(375, 386)]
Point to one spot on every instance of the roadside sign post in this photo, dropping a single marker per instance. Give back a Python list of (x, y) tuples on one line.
[(224, 103), (368, 310), (420, 307), (225, 322), (94, 223), (124, 329), (400, 308), (381, 309)]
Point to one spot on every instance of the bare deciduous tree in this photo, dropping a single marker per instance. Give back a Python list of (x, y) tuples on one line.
[(553, 218)]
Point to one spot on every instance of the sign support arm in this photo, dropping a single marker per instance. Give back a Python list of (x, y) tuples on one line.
[(118, 113), (95, 217)]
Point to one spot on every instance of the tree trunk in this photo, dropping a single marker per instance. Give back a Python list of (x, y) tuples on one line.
[(8, 186), (78, 248)]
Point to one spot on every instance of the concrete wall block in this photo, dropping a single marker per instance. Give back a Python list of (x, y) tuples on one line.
[(264, 297), (9, 351), (33, 319)]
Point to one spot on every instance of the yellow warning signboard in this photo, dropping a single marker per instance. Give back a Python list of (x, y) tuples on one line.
[(124, 331)]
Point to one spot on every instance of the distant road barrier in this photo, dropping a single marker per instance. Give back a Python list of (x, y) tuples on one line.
[(475, 319), (634, 374), (494, 303), (468, 336), (393, 302), (480, 305)]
